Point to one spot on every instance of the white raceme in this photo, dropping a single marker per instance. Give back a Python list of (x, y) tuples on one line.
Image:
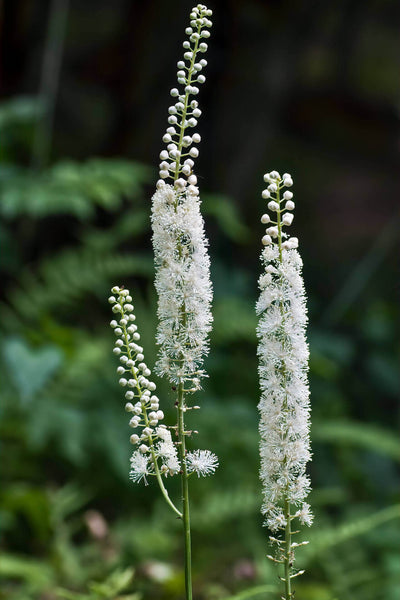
[(182, 283), (153, 438), (283, 365), (180, 246)]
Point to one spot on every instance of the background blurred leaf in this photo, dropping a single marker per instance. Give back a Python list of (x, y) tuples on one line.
[(30, 368), (22, 109), (226, 214), (358, 434), (70, 188), (36, 574), (322, 539)]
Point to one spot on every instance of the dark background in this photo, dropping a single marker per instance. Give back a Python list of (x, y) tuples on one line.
[(311, 88)]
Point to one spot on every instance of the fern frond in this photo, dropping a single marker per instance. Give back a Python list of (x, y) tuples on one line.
[(63, 280), (71, 188)]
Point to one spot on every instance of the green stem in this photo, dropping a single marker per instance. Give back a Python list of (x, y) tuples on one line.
[(181, 398), (288, 532), (287, 557), (186, 104), (185, 494), (49, 83), (163, 489)]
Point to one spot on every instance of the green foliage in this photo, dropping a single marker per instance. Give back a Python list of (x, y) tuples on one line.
[(64, 280), (70, 188), (36, 576), (110, 589), (362, 435), (23, 109), (259, 590), (65, 434), (322, 539), (228, 219), (30, 369)]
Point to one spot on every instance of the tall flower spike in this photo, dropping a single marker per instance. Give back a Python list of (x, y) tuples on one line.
[(180, 246), (283, 355), (182, 264)]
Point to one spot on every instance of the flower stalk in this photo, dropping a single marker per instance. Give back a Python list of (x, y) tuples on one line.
[(182, 263)]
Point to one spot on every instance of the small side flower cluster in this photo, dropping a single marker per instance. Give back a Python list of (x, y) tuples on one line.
[(177, 159), (183, 286), (154, 442), (283, 353)]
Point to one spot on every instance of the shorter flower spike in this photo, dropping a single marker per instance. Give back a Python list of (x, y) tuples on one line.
[(154, 441)]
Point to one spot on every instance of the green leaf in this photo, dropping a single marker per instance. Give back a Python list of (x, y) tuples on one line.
[(23, 109), (66, 278), (117, 582), (71, 188), (225, 213), (36, 573), (30, 369), (254, 592)]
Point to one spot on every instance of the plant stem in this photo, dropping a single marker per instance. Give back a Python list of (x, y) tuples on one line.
[(49, 83), (288, 532), (181, 398), (287, 557), (186, 104), (185, 494)]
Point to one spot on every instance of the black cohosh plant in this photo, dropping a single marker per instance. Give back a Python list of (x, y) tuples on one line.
[(184, 291)]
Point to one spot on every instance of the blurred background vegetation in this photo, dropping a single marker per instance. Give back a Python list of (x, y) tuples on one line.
[(304, 86)]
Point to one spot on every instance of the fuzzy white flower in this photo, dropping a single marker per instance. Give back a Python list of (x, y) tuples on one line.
[(182, 282), (166, 450), (139, 467), (202, 462)]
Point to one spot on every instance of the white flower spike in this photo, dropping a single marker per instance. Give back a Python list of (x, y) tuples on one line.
[(283, 365), (180, 246), (176, 163), (183, 285)]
